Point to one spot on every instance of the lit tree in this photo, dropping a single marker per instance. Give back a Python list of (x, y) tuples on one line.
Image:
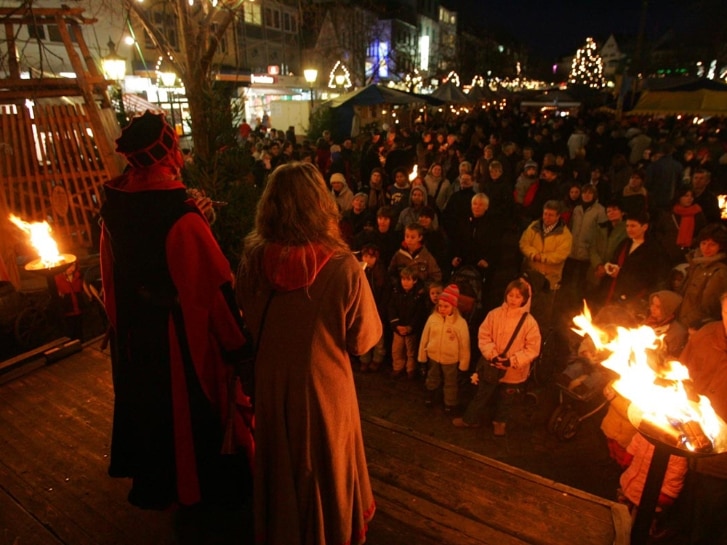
[(587, 67), (200, 26)]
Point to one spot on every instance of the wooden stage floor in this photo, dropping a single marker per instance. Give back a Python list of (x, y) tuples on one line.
[(54, 441)]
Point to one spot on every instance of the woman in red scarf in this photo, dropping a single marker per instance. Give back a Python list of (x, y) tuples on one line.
[(309, 305), (676, 232)]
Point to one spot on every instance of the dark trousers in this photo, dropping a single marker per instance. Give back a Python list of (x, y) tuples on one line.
[(504, 395)]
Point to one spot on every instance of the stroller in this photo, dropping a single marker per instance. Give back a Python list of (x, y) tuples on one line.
[(581, 396), (471, 286)]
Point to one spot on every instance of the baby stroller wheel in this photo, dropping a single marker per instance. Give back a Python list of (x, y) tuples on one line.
[(556, 419), (568, 426)]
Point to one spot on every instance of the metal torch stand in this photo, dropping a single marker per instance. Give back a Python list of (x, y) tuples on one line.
[(650, 496)]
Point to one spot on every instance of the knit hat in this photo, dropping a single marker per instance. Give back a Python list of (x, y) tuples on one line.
[(338, 177), (450, 295), (531, 164), (361, 195), (669, 300), (147, 140)]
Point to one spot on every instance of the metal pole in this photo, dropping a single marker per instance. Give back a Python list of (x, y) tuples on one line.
[(650, 496)]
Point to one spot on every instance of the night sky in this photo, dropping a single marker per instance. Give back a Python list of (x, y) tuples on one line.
[(556, 28)]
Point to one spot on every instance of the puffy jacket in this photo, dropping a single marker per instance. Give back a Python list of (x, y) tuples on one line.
[(446, 340), (554, 248), (495, 332)]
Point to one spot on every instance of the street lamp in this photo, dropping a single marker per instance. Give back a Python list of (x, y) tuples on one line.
[(310, 75), (114, 69), (169, 80)]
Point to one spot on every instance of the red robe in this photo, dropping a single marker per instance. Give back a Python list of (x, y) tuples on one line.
[(171, 391)]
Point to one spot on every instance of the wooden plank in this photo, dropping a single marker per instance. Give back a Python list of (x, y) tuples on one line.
[(499, 479), (59, 407), (31, 354), (66, 115), (18, 526), (13, 64), (484, 489), (392, 529), (27, 16), (435, 520)]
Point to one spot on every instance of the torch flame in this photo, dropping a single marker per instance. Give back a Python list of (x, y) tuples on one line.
[(414, 173), (722, 199), (40, 238), (660, 390)]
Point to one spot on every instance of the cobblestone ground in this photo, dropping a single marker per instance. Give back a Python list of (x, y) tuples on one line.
[(581, 462)]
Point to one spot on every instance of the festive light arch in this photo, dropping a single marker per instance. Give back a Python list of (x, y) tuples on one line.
[(339, 69)]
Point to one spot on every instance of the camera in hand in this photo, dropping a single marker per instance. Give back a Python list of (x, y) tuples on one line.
[(502, 359)]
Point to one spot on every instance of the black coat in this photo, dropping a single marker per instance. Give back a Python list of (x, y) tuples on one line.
[(642, 272)]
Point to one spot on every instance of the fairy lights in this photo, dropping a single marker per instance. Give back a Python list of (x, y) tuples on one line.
[(339, 77), (453, 77), (587, 67)]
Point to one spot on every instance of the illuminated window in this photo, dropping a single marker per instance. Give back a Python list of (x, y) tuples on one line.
[(253, 13)]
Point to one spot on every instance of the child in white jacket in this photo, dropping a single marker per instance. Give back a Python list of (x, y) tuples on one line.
[(445, 345)]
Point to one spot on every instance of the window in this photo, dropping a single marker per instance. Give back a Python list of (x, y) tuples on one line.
[(223, 40), (36, 32), (54, 34), (253, 13), (164, 25), (272, 18), (286, 22)]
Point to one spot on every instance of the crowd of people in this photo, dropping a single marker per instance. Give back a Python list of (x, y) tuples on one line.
[(545, 212), (622, 215)]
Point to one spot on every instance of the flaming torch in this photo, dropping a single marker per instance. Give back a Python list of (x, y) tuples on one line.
[(722, 200), (49, 259), (413, 174), (665, 407)]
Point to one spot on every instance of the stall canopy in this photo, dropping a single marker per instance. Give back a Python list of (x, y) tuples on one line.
[(704, 97), (482, 94), (379, 94), (552, 99), (451, 94)]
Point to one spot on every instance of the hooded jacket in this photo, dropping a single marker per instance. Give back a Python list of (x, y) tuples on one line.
[(495, 332)]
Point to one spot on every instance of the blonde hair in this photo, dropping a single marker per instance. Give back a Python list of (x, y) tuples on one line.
[(295, 209)]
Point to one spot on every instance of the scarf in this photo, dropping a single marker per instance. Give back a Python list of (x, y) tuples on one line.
[(686, 215)]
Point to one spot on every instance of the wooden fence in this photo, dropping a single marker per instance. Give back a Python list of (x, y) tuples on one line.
[(51, 168)]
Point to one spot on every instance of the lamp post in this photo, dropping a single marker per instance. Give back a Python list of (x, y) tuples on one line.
[(340, 83), (310, 75), (114, 69), (169, 80)]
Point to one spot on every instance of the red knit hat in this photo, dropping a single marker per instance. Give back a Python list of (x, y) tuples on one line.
[(147, 140), (450, 295)]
